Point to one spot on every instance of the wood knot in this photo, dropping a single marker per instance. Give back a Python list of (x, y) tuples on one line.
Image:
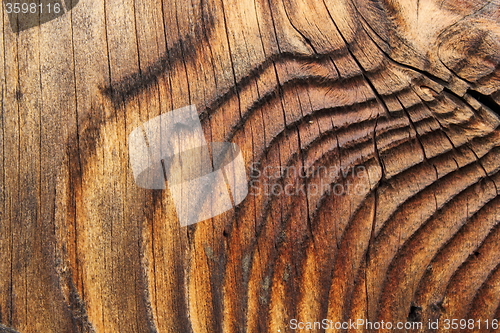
[(470, 49)]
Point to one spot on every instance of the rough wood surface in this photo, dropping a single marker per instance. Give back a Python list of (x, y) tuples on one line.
[(405, 91)]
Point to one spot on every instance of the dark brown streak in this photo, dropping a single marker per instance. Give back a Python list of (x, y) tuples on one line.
[(325, 135), (400, 175), (267, 210), (394, 269), (424, 224), (384, 228), (320, 161), (425, 276), (486, 285), (314, 81), (122, 91), (256, 72)]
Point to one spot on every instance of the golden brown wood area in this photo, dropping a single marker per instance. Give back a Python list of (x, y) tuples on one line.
[(401, 95)]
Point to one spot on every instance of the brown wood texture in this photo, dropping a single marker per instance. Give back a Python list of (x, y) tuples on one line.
[(404, 95)]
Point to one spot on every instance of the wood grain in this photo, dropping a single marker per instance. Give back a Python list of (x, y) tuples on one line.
[(400, 98)]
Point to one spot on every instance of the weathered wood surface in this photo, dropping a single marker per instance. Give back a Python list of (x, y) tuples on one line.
[(407, 90)]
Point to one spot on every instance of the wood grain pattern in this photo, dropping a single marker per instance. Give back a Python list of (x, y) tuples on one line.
[(402, 96)]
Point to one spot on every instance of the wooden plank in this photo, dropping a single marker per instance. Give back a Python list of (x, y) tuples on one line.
[(391, 108)]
